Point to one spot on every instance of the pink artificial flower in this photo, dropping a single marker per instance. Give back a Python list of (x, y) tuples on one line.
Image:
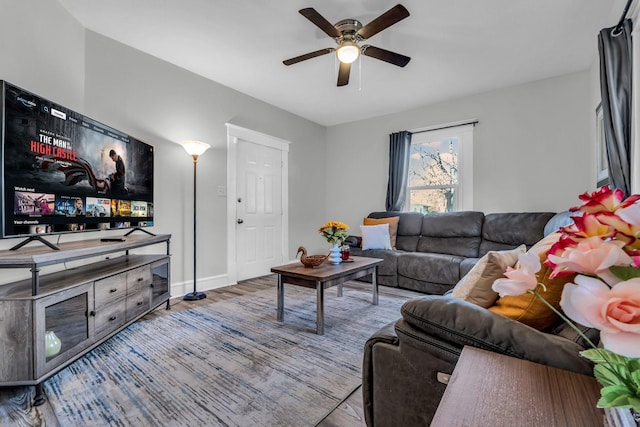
[(630, 214), (614, 311), (558, 249), (623, 230), (590, 256), (589, 225), (604, 199), (636, 261), (519, 280)]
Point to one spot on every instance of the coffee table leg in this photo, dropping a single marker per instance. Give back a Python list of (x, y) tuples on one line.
[(320, 308), (340, 290), (280, 298), (374, 282)]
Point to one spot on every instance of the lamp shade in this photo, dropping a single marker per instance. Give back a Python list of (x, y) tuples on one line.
[(348, 52), (194, 148)]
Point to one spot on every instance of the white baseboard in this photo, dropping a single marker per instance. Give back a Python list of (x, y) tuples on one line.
[(204, 284)]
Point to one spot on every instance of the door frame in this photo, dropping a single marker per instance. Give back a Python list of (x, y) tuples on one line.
[(234, 134)]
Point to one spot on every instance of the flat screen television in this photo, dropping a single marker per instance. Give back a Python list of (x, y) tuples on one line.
[(65, 172)]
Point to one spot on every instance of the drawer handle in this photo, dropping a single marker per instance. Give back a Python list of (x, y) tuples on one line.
[(139, 303), (112, 318), (92, 313), (140, 279), (113, 290)]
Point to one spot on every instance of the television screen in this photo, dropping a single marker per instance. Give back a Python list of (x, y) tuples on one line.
[(65, 172)]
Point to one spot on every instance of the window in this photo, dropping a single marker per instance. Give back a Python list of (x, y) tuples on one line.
[(441, 170)]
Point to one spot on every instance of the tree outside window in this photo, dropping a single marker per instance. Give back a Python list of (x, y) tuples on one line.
[(434, 175)]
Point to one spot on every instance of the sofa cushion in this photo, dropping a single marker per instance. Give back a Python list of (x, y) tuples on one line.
[(375, 236), (432, 267), (393, 226), (459, 246), (453, 233), (475, 287), (424, 286), (561, 219), (409, 226), (527, 308), (503, 231), (390, 257), (467, 264), (462, 323), (407, 243)]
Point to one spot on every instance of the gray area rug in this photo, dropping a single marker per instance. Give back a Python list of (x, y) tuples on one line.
[(228, 363)]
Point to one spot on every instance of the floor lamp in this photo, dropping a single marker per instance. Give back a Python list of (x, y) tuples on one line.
[(195, 149)]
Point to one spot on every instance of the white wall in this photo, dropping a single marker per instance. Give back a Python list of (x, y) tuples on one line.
[(533, 149), (42, 50), (162, 104)]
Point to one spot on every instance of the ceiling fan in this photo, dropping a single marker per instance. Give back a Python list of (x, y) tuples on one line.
[(348, 33)]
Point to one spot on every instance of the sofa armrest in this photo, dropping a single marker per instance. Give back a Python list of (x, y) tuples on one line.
[(354, 241), (386, 335), (461, 323)]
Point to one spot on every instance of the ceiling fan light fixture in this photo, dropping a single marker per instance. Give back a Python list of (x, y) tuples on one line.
[(348, 52)]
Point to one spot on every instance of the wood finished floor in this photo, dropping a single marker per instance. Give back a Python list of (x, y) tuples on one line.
[(16, 407), (348, 413)]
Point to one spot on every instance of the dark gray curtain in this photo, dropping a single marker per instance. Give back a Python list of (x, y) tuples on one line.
[(399, 148), (614, 45)]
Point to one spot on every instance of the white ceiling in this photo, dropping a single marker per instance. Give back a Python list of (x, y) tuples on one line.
[(458, 47)]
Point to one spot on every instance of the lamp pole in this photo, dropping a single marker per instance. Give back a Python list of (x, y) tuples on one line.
[(195, 149)]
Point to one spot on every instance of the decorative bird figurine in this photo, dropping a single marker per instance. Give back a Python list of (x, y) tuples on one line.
[(310, 261)]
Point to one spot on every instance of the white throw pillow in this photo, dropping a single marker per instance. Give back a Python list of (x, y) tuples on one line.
[(375, 236)]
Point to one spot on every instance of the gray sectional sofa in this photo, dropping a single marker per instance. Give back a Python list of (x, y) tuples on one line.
[(434, 251), (407, 363)]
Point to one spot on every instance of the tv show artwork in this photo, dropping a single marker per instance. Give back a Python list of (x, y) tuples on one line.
[(138, 209), (28, 203), (69, 206), (98, 207)]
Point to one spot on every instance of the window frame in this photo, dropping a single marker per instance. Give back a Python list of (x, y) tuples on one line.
[(464, 188)]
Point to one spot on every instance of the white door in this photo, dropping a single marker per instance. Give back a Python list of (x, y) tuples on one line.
[(259, 212)]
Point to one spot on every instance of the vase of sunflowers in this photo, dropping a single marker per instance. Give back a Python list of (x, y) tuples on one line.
[(334, 232)]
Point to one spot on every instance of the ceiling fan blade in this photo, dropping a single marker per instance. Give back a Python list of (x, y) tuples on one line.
[(312, 15), (387, 19), (306, 56), (343, 74), (385, 55)]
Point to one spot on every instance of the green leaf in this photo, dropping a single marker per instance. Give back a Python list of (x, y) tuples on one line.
[(602, 355), (606, 375), (625, 273), (634, 365), (635, 377), (615, 396)]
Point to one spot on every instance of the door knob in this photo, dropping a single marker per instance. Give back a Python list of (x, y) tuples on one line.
[(240, 221)]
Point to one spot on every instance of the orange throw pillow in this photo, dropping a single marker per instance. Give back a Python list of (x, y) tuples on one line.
[(393, 226), (527, 308)]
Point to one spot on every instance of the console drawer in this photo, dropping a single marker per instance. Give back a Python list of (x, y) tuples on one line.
[(110, 317), (110, 289), (137, 304), (138, 278)]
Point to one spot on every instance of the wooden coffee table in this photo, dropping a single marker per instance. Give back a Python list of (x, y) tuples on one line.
[(322, 277)]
